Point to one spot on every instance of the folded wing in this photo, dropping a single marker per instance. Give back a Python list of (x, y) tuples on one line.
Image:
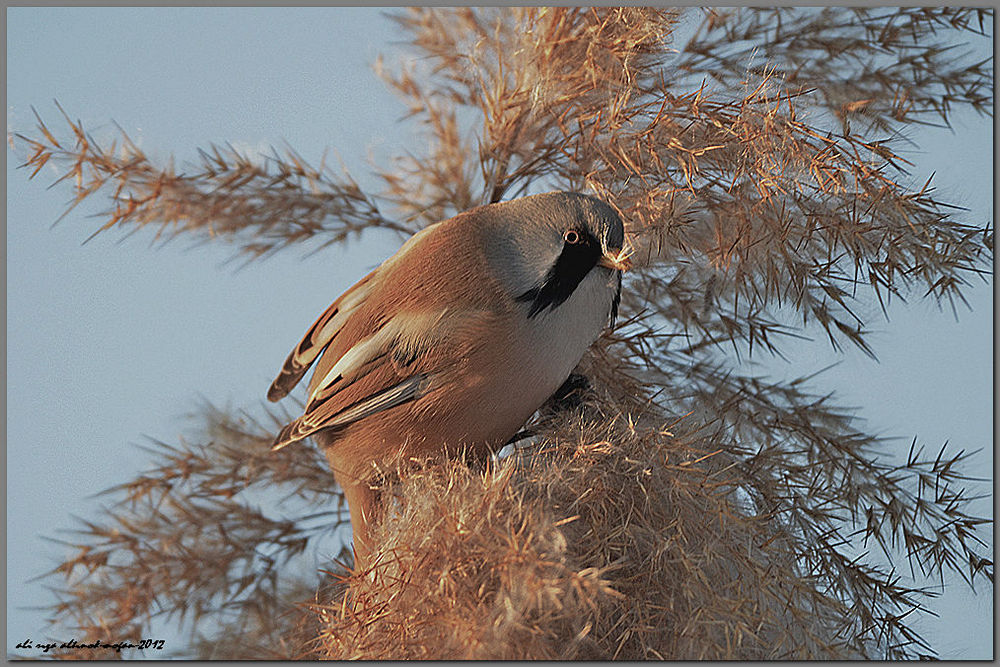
[(381, 344), (390, 367), (318, 337)]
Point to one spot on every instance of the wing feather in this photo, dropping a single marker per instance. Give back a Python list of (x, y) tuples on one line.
[(318, 337), (319, 418), (378, 373), (402, 338)]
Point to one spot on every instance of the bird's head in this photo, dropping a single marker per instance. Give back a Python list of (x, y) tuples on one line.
[(556, 247)]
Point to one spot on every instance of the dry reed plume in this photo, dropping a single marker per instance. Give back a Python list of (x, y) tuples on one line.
[(756, 167), (605, 541)]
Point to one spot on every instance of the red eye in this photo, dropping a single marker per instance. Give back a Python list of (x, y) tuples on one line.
[(572, 237)]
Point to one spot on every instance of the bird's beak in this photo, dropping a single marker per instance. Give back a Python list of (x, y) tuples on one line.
[(619, 261)]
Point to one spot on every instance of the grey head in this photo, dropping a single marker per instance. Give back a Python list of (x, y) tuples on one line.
[(546, 245)]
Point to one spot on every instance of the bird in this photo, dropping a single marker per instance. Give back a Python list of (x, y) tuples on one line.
[(453, 342)]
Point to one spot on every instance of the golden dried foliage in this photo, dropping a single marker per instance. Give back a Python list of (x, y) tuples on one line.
[(197, 535), (261, 207), (756, 166), (617, 536), (604, 541)]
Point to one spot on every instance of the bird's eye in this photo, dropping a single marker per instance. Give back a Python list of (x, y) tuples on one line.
[(572, 237)]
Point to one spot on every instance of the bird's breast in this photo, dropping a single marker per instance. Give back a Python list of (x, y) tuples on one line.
[(552, 343)]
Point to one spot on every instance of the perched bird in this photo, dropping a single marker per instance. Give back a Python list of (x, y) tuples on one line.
[(453, 342)]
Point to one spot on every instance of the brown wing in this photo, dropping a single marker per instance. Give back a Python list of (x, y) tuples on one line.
[(402, 338), (380, 388), (408, 356), (317, 338)]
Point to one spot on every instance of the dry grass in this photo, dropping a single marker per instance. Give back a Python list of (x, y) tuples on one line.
[(606, 541), (259, 207), (765, 198), (218, 529), (618, 536)]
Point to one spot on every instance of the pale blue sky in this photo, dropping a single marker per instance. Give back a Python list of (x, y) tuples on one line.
[(114, 340)]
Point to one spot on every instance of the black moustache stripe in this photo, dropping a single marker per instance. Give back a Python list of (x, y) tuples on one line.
[(574, 263)]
